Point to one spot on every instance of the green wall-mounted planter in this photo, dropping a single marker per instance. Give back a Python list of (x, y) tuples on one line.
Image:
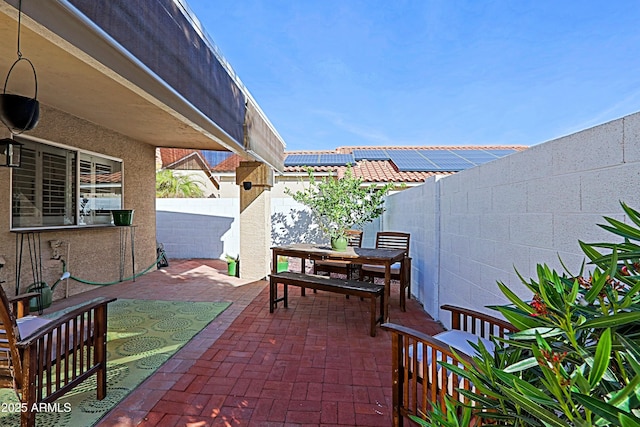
[(122, 217)]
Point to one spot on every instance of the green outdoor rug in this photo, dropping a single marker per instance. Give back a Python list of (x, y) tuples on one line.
[(142, 335)]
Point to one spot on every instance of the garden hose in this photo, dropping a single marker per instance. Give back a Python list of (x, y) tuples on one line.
[(88, 282)]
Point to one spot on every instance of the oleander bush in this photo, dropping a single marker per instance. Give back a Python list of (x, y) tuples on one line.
[(576, 359)]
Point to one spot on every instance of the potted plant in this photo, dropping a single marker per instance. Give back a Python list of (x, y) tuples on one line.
[(282, 263), (122, 217), (232, 265), (340, 203)]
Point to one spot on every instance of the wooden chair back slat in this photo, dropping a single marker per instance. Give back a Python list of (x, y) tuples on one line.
[(354, 238), (393, 240)]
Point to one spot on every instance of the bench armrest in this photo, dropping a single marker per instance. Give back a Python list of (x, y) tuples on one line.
[(406, 331), (66, 320), (477, 323), (20, 303), (408, 336)]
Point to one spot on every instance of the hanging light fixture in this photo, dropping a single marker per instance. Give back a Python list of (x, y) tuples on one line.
[(10, 153), (19, 113)]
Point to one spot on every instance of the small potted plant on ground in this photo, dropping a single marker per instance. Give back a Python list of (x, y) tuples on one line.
[(232, 265), (340, 203), (282, 263)]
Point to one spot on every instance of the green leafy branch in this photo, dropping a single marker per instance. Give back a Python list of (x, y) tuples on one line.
[(575, 360)]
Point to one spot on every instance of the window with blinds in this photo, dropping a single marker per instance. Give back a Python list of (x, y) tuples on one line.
[(100, 189), (24, 210), (55, 172), (57, 187)]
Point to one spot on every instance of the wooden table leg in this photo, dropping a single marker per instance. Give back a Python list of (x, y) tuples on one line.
[(372, 311), (272, 294), (387, 291), (303, 270), (286, 295)]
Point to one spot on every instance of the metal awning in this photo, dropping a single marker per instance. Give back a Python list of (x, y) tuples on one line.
[(84, 70)]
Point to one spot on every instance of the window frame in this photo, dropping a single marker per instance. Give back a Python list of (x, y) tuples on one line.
[(78, 152)]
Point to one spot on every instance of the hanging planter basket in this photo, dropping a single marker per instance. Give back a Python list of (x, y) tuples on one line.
[(19, 113)]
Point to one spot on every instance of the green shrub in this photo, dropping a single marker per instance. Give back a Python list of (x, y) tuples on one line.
[(576, 359)]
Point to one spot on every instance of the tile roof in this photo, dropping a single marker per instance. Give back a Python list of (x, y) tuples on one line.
[(186, 159), (228, 165), (175, 156), (368, 170), (373, 171), (386, 170), (170, 156)]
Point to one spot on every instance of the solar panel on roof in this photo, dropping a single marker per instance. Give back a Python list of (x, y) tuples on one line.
[(445, 159), (405, 160), (453, 165), (472, 153), (335, 159), (501, 153), (480, 159), (476, 156), (370, 155), (437, 154), (410, 160), (456, 160), (301, 160)]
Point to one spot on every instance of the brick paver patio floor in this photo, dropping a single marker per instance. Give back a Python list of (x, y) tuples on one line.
[(309, 365)]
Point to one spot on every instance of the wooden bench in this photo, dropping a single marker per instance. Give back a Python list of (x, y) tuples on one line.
[(419, 382), (324, 283)]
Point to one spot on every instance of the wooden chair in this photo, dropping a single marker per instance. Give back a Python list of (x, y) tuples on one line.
[(42, 359), (354, 239), (393, 240), (419, 382)]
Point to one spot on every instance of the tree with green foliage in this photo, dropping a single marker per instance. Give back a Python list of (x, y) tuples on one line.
[(341, 203), (171, 185)]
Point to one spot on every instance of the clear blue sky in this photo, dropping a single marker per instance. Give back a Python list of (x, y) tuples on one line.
[(331, 73)]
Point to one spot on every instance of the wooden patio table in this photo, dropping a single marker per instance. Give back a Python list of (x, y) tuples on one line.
[(353, 255)]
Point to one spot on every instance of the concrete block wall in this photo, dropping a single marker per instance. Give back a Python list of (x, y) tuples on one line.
[(415, 211), (209, 228), (516, 212), (292, 222), (198, 228)]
